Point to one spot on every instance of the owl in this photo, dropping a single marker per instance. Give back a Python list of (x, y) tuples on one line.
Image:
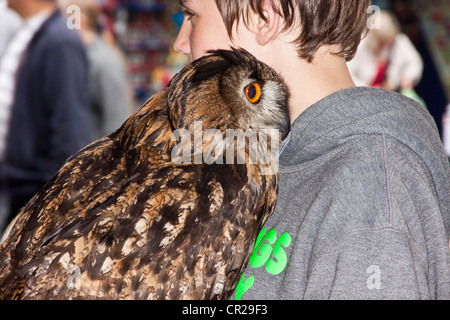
[(131, 216)]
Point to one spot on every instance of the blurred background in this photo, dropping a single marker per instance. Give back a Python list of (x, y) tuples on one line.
[(143, 31), (427, 24), (132, 57)]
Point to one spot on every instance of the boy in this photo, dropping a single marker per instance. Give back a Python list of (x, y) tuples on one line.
[(363, 208)]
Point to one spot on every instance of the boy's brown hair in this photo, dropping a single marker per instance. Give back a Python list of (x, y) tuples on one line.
[(323, 22)]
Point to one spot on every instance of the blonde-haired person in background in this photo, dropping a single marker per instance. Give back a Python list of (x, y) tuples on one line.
[(387, 58), (109, 90)]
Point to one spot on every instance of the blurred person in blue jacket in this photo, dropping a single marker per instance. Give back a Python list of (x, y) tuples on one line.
[(50, 110)]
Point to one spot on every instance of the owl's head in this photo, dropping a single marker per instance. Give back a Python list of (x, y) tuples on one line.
[(229, 90)]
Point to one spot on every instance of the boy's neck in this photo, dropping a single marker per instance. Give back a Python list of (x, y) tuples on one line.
[(311, 82)]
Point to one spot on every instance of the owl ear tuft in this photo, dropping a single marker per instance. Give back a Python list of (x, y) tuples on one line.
[(209, 69), (238, 57)]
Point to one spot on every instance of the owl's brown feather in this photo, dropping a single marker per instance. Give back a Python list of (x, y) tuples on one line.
[(121, 220)]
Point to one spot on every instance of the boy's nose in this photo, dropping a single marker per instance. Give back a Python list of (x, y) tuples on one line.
[(181, 43)]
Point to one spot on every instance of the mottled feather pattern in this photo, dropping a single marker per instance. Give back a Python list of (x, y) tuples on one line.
[(121, 220)]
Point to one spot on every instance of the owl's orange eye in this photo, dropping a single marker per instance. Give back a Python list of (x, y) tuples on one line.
[(253, 93)]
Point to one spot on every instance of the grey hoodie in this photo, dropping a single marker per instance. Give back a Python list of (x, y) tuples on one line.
[(364, 205)]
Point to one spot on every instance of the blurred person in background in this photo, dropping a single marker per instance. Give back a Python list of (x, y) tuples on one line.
[(109, 91), (10, 22), (50, 110), (386, 58)]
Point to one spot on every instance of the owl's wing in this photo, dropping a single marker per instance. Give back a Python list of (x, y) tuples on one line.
[(84, 177), (173, 233)]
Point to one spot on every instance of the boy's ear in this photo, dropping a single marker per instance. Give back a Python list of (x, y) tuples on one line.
[(265, 28)]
